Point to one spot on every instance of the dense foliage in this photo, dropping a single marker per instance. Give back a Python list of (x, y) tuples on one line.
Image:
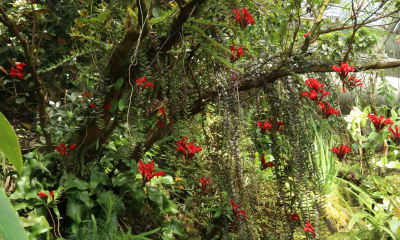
[(199, 119)]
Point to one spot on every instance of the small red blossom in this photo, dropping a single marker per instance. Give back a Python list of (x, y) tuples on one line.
[(352, 83), (147, 171), (149, 84), (309, 228), (20, 66), (239, 53), (295, 217), (329, 111), (72, 147), (91, 106), (246, 20), (61, 148), (235, 210), (306, 34), (379, 123), (139, 82), (266, 164), (344, 70), (51, 194), (108, 106), (42, 194), (315, 88), (162, 111), (160, 123), (204, 183), (15, 73), (341, 151), (395, 134), (234, 77), (188, 149), (268, 125)]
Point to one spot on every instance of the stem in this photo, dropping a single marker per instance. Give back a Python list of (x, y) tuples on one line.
[(54, 224)]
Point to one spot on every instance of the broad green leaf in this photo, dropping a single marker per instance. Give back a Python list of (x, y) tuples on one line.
[(396, 208), (118, 84), (9, 144), (123, 179), (176, 226), (157, 12), (395, 226), (114, 105), (75, 210), (10, 225), (72, 182), (98, 177)]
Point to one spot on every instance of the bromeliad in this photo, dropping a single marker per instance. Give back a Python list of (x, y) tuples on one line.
[(329, 111), (238, 53), (315, 88), (396, 135), (204, 183), (235, 210), (246, 20), (188, 149), (309, 228), (268, 125)]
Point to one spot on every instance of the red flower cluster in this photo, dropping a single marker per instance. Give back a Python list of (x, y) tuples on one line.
[(315, 87), (204, 183), (244, 22), (238, 54), (341, 152), (162, 111), (329, 111), (351, 83), (268, 125), (63, 150), (306, 34), (147, 171), (235, 210), (309, 228), (344, 70), (266, 164), (139, 82), (92, 106), (396, 134), (160, 123), (379, 123), (295, 217), (191, 149), (42, 194), (19, 72)]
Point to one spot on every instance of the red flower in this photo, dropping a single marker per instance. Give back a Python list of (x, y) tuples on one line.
[(235, 212), (268, 125), (246, 20), (139, 82), (61, 148), (306, 34), (72, 147), (91, 106), (343, 70), (266, 164), (159, 123), (396, 134), (295, 217), (379, 123), (149, 84), (309, 228), (147, 171), (51, 194), (234, 76), (108, 106), (238, 53), (352, 83), (328, 112), (191, 149), (204, 183), (315, 87), (162, 111), (42, 194), (14, 72), (341, 152), (20, 66)]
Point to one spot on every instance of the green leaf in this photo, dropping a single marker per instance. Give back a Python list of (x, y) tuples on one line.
[(123, 179), (9, 144), (176, 226), (75, 210), (114, 105), (72, 182), (157, 12), (121, 104), (10, 225), (119, 83), (20, 100), (98, 177), (373, 135)]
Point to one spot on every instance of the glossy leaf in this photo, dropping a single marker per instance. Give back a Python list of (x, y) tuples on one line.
[(10, 225), (9, 144)]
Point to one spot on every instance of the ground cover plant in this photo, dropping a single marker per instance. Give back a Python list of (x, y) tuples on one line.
[(199, 119)]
